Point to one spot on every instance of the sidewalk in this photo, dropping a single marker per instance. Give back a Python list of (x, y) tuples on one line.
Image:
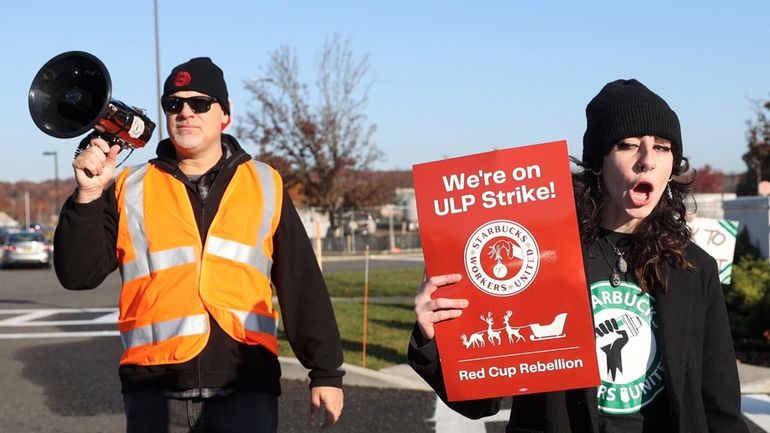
[(754, 379), (399, 376)]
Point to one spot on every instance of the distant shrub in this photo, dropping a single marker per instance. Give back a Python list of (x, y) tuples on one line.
[(744, 246), (748, 297)]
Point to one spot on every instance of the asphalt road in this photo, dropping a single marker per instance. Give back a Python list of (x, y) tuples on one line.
[(71, 386), (56, 381)]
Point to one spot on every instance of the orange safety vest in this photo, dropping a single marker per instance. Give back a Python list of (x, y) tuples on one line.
[(172, 283)]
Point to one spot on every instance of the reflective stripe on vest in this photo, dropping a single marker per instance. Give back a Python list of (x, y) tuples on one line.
[(163, 331), (238, 252), (145, 263), (257, 322)]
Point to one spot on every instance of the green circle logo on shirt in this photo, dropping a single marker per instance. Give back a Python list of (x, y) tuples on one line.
[(630, 364)]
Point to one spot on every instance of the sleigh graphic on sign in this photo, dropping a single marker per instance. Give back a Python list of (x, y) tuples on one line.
[(552, 330), (492, 335)]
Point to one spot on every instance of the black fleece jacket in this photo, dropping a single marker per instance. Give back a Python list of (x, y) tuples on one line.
[(700, 372), (306, 311)]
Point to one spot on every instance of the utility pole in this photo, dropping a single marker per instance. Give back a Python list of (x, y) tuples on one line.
[(56, 179), (26, 210)]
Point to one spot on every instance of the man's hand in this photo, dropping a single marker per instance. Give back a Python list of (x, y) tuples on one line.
[(93, 169), (331, 398)]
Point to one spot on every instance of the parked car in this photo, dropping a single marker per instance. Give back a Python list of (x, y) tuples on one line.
[(4, 231), (26, 248)]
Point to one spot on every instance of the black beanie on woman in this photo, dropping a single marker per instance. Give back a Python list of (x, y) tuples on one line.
[(622, 109)]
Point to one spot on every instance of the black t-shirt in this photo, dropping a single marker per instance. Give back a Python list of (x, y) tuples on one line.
[(631, 397)]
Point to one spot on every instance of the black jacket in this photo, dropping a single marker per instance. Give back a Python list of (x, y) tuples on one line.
[(701, 377), (306, 310)]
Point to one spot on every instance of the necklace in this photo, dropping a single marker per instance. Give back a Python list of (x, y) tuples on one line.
[(620, 264)]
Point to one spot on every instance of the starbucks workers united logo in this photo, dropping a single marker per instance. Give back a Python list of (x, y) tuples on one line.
[(501, 258), (627, 340)]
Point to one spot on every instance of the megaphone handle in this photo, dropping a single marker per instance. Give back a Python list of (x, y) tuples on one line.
[(109, 138), (85, 142), (83, 145)]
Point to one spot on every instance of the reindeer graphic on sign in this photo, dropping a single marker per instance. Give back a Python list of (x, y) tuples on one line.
[(538, 331)]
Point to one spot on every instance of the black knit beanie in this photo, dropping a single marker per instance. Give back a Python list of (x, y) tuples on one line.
[(201, 75), (626, 108)]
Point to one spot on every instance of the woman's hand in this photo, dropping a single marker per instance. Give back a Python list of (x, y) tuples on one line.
[(430, 311)]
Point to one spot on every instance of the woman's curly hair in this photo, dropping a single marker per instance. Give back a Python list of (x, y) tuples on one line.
[(660, 238)]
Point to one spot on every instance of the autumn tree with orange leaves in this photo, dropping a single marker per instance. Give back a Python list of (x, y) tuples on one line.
[(757, 158), (708, 180)]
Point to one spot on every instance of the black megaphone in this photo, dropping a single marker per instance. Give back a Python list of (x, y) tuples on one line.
[(71, 94)]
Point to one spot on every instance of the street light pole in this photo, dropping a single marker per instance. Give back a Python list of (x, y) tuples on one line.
[(55, 176), (157, 70)]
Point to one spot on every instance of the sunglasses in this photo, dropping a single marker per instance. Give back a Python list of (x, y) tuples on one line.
[(198, 104)]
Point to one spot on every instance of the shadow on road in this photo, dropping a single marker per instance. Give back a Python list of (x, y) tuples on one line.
[(368, 410), (79, 378), (17, 301)]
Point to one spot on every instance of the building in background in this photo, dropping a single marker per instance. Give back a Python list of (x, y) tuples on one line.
[(7, 221)]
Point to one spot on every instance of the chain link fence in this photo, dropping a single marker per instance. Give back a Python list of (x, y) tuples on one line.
[(356, 243), (357, 229)]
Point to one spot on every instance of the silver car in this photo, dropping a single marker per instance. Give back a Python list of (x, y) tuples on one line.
[(26, 248)]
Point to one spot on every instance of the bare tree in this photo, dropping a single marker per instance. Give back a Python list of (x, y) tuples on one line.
[(757, 158), (318, 148)]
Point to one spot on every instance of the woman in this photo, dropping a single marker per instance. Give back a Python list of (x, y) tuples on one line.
[(636, 245)]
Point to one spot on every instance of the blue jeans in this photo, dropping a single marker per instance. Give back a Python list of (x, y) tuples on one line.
[(239, 412)]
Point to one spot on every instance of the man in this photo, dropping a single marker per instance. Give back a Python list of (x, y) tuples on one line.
[(200, 234)]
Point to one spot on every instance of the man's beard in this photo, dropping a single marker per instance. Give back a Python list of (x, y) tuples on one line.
[(186, 141)]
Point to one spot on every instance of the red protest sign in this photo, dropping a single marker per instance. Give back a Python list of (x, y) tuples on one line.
[(506, 221)]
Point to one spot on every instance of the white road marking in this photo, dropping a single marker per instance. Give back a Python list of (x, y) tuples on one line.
[(756, 407), (30, 318), (17, 336)]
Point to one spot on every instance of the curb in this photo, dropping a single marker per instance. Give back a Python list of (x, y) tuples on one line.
[(399, 376)]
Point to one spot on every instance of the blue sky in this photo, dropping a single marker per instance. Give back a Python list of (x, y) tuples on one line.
[(450, 78)]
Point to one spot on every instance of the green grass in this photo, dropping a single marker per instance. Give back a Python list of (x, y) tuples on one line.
[(382, 282), (389, 324), (387, 336)]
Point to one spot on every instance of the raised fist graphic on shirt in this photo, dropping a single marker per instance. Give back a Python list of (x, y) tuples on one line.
[(613, 350)]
